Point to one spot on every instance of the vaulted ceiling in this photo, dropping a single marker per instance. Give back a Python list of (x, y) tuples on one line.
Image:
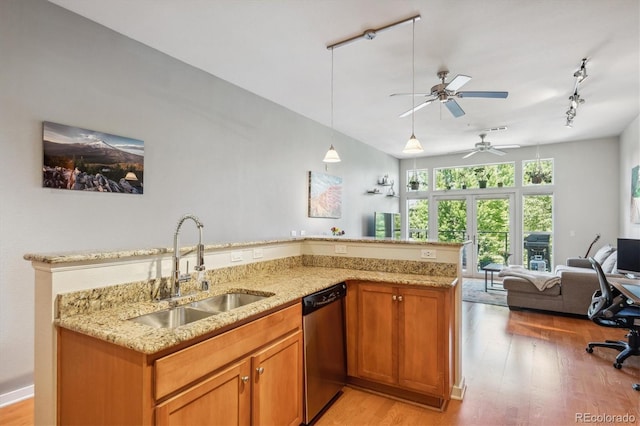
[(277, 49)]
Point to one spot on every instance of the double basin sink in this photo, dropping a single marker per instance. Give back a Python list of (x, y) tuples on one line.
[(194, 311)]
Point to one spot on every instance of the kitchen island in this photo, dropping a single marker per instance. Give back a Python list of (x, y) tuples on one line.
[(94, 294)]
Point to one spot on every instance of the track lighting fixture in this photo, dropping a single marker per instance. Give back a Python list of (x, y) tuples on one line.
[(575, 100)]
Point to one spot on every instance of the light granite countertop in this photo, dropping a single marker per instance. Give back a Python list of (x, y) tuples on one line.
[(287, 285), (92, 255)]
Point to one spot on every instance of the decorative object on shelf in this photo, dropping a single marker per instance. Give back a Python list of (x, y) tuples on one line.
[(413, 144), (575, 100), (325, 195), (391, 192), (337, 231), (384, 180), (373, 191), (86, 160)]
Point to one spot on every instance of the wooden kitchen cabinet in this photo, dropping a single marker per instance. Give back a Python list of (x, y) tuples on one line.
[(400, 336), (256, 391), (277, 383), (223, 399), (251, 374)]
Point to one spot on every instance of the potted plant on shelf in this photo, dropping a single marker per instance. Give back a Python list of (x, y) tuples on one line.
[(481, 174)]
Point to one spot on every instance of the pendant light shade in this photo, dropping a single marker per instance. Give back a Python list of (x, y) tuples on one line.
[(413, 145), (332, 156)]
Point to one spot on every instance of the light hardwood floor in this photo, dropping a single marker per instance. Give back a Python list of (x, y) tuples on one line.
[(521, 368)]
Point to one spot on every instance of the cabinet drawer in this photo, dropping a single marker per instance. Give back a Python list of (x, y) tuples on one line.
[(177, 370)]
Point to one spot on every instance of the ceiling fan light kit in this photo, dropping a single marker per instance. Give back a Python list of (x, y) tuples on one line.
[(575, 100)]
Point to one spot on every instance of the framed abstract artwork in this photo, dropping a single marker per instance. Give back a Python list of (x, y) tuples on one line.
[(325, 195), (86, 160)]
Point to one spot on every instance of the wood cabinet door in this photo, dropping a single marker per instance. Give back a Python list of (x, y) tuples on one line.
[(421, 337), (377, 338), (277, 383), (223, 399)]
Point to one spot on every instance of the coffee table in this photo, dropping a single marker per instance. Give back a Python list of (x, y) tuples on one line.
[(491, 267)]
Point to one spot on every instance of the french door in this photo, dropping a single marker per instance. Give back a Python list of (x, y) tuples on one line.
[(485, 220)]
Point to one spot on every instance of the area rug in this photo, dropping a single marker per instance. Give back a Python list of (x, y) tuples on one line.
[(473, 291)]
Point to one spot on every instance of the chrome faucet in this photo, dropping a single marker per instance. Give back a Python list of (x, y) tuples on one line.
[(177, 277)]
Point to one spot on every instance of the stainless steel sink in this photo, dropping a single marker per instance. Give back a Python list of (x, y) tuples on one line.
[(226, 302), (172, 318)]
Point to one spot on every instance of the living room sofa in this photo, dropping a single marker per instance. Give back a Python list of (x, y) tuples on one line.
[(578, 282)]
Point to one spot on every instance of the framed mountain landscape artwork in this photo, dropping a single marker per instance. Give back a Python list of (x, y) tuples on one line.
[(78, 159)]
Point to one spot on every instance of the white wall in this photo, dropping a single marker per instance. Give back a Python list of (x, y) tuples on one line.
[(629, 158), (237, 161), (585, 194)]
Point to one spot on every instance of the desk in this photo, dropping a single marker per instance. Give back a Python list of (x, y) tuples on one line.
[(628, 287), (491, 267)]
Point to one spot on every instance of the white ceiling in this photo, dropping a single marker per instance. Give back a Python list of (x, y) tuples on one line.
[(277, 50)]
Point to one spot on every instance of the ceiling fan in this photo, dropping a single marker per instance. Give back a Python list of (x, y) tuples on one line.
[(485, 146), (446, 92)]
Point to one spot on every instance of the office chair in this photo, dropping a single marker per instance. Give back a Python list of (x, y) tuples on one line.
[(609, 308)]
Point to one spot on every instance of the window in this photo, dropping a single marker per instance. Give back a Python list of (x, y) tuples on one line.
[(480, 176), (537, 225), (418, 219), (417, 180)]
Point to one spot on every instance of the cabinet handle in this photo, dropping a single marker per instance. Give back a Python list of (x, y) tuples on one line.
[(244, 379), (394, 297), (399, 298), (260, 370)]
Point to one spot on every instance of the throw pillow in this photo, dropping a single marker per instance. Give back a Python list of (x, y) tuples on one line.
[(602, 254), (609, 265)]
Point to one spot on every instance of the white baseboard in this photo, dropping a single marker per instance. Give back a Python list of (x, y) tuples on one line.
[(16, 396)]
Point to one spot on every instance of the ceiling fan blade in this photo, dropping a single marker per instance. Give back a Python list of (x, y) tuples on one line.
[(470, 154), (506, 146), (468, 94), (459, 81), (410, 94), (416, 108), (496, 151), (454, 108)]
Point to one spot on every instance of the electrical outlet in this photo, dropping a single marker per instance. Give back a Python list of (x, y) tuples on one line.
[(303, 232), (293, 233), (236, 256), (257, 253), (341, 248), (428, 254)]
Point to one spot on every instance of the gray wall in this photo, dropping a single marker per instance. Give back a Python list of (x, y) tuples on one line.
[(237, 161)]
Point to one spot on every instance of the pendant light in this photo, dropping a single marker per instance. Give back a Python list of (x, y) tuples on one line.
[(413, 144), (332, 155)]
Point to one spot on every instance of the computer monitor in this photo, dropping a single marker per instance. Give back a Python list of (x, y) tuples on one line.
[(629, 256)]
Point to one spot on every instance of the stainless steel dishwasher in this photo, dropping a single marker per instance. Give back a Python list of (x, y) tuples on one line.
[(324, 349)]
